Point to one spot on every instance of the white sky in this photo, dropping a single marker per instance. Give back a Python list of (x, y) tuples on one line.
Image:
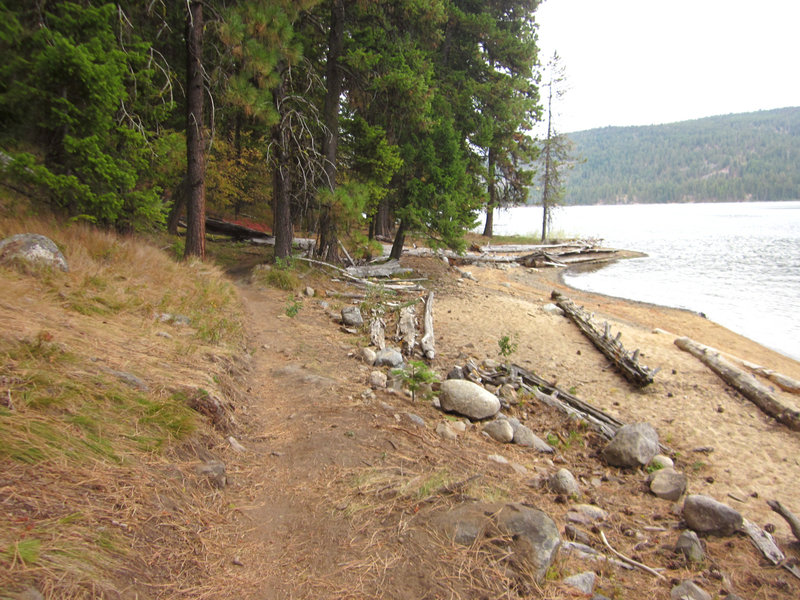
[(643, 62)]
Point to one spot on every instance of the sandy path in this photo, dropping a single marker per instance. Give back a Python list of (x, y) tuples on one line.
[(753, 457)]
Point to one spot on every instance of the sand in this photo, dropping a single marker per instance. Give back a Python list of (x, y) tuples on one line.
[(753, 458)]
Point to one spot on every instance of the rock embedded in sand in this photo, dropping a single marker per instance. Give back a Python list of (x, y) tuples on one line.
[(388, 357), (634, 445), (377, 380), (703, 514), (468, 399), (583, 582)]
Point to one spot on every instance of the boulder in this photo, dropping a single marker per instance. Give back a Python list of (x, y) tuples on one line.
[(445, 431), (688, 590), (499, 430), (534, 537), (668, 484), (634, 445), (468, 399), (563, 482), (351, 316), (660, 461), (32, 249), (214, 470), (689, 545), (703, 514), (586, 514), (389, 357)]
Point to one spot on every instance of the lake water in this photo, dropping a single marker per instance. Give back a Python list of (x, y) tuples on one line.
[(739, 263)]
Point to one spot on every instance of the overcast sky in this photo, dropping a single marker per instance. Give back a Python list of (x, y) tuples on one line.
[(643, 62)]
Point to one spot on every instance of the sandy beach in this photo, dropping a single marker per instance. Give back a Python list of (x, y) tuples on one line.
[(753, 458)]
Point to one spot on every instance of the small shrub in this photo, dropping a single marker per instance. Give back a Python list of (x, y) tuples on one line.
[(507, 346), (415, 375), (293, 307)]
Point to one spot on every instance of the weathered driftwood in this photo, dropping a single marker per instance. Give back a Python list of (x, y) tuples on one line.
[(360, 281), (388, 269), (626, 559), (377, 332), (407, 328), (787, 384), (767, 546), (428, 341), (789, 517), (744, 382), (784, 382), (506, 248), (612, 348)]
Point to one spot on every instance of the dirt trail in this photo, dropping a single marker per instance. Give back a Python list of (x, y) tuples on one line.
[(323, 491)]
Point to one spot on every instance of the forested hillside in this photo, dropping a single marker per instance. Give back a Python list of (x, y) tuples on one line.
[(742, 157)]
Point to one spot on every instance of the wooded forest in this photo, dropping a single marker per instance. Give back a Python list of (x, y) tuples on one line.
[(335, 118), (741, 157)]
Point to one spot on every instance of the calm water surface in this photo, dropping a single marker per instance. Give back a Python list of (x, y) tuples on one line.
[(739, 263)]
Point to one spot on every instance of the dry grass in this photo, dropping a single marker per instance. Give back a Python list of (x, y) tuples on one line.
[(97, 444)]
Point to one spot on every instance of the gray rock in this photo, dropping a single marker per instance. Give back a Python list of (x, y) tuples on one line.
[(668, 484), (689, 545), (583, 582), (456, 373), (464, 524), (377, 380), (446, 432), (552, 309), (368, 356), (468, 399), (563, 482), (586, 514), (660, 461), (389, 357), (688, 590), (703, 514), (523, 436), (310, 291), (499, 430), (127, 378), (534, 535), (415, 419), (508, 393), (633, 445), (30, 593), (351, 316), (33, 249), (215, 471), (600, 597)]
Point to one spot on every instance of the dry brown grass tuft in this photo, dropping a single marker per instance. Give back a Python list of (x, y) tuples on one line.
[(97, 445)]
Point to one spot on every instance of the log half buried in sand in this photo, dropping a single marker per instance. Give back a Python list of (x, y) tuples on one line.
[(744, 382), (626, 362)]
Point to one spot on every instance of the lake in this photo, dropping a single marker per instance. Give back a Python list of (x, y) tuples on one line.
[(738, 263)]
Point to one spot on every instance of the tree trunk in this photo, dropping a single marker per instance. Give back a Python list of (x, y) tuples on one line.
[(488, 228), (178, 209), (195, 143), (399, 240), (281, 181), (382, 226), (328, 248)]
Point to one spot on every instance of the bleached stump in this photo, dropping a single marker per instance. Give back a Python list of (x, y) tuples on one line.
[(377, 333), (428, 342), (407, 329)]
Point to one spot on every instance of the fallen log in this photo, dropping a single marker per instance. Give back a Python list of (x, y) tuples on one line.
[(768, 548), (788, 516), (377, 332), (612, 348), (744, 382), (428, 342), (237, 232)]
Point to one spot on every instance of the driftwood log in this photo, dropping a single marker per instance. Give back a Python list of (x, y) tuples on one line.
[(744, 382), (767, 546), (787, 384), (428, 341), (377, 332), (788, 516), (611, 347)]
